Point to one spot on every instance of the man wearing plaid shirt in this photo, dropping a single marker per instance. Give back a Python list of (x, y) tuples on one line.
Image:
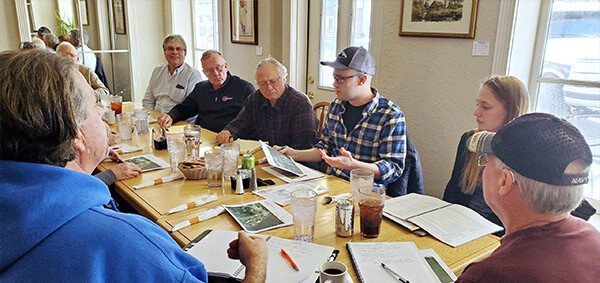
[(363, 129)]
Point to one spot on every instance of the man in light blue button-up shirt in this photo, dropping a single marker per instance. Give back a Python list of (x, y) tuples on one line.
[(171, 82)]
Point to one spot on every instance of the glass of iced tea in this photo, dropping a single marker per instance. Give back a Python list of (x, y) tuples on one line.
[(372, 199), (116, 104)]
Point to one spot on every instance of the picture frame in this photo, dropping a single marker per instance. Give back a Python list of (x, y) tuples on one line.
[(244, 21), (454, 18), (83, 8), (119, 17)]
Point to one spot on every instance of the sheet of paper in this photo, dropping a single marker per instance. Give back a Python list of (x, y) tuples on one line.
[(148, 162), (280, 194), (402, 257), (258, 216), (455, 224), (212, 252), (412, 204), (279, 160), (125, 148), (447, 275), (407, 224), (287, 177)]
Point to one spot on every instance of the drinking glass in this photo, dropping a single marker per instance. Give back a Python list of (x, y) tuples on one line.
[(141, 120), (372, 199), (116, 104), (192, 135), (176, 148), (304, 207), (214, 165), (360, 178), (125, 127), (231, 152)]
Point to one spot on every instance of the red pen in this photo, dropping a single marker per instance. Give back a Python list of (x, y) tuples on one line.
[(289, 259)]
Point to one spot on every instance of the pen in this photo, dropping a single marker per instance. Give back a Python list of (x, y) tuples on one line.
[(289, 259), (333, 255), (193, 204), (395, 274)]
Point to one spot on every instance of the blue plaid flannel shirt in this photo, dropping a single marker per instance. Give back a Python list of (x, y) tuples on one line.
[(379, 137)]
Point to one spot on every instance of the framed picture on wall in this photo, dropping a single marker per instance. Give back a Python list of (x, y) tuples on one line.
[(119, 16), (244, 21), (83, 8), (452, 18)]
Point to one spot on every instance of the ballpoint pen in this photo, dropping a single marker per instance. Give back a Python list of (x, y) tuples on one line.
[(395, 274), (289, 259), (193, 204)]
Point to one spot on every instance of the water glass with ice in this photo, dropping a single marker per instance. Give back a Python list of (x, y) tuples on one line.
[(360, 178), (304, 207), (141, 120), (231, 153), (192, 134), (125, 127), (214, 165), (176, 148)]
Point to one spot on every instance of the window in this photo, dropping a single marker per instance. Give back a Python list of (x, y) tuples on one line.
[(565, 73), (206, 33), (332, 13)]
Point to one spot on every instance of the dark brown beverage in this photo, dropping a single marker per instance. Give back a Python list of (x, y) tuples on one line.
[(370, 217), (333, 271)]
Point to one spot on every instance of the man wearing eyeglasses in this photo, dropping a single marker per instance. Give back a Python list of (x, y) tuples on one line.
[(276, 112), (363, 129), (535, 169), (172, 82), (216, 101)]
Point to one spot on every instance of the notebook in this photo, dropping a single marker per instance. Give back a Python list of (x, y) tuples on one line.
[(452, 224), (402, 257), (211, 249)]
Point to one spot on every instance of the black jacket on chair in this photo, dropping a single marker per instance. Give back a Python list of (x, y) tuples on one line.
[(411, 180), (100, 72)]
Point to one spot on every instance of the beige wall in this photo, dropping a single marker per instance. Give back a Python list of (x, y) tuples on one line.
[(9, 28), (242, 58), (435, 82)]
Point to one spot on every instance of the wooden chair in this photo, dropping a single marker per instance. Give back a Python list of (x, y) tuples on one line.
[(321, 110)]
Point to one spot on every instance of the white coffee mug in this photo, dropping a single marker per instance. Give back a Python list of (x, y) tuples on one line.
[(334, 272)]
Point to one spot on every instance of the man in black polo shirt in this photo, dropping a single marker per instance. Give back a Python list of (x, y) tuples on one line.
[(216, 101)]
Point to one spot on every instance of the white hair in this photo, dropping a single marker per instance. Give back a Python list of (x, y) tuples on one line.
[(281, 70), (544, 198)]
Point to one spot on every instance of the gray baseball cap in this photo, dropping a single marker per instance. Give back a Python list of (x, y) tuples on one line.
[(354, 57)]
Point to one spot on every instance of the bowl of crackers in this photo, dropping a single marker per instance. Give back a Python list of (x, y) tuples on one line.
[(193, 170)]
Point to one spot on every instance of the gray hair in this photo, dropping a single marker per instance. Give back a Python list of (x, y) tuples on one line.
[(50, 39), (281, 70), (544, 198), (75, 35), (210, 53), (174, 37)]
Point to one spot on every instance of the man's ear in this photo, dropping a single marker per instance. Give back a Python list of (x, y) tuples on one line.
[(362, 80), (78, 143), (506, 182)]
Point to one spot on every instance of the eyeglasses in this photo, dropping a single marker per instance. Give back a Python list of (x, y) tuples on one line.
[(482, 160), (269, 82), (178, 49), (341, 80), (218, 68)]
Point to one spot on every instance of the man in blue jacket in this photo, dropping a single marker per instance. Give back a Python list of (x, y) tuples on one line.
[(55, 228)]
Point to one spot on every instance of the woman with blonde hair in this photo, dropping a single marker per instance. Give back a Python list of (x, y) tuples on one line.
[(500, 100)]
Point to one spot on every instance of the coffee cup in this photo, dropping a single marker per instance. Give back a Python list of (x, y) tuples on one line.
[(334, 272)]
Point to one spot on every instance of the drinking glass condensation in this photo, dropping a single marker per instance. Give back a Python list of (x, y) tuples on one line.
[(116, 104), (214, 165), (371, 204), (231, 152), (176, 148), (141, 120), (125, 127), (192, 134), (304, 207), (360, 178)]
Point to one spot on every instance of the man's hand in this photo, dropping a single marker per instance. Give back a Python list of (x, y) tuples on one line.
[(126, 171), (165, 121), (343, 161), (224, 137), (252, 252), (286, 150)]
